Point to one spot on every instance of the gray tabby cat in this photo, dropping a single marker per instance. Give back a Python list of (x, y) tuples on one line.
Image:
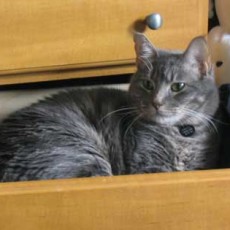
[(164, 123)]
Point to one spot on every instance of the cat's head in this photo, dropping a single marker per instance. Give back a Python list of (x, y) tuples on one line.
[(173, 87)]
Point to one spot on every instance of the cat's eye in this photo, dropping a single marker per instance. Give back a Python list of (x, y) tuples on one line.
[(147, 85), (178, 86)]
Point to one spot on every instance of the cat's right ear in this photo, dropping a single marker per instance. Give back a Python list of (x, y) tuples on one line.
[(145, 51)]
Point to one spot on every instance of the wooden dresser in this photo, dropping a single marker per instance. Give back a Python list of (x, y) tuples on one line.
[(45, 40)]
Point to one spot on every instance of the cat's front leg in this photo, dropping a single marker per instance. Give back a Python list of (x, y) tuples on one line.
[(84, 165)]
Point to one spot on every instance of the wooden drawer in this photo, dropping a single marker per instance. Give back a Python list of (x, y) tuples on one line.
[(167, 201), (47, 40)]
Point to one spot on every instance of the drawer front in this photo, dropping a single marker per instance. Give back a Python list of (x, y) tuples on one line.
[(197, 200), (41, 35)]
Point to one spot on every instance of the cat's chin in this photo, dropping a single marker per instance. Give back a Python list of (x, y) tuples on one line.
[(165, 119)]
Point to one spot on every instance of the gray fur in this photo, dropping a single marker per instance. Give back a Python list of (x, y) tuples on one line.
[(99, 132)]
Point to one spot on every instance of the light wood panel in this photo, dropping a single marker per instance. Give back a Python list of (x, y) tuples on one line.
[(188, 200), (41, 35), (63, 74)]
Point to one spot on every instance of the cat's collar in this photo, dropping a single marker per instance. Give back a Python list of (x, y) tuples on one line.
[(186, 130)]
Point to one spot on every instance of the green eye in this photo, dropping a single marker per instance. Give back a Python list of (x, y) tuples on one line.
[(147, 85), (177, 87)]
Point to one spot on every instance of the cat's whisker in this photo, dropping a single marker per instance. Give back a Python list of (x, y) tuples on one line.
[(117, 111), (206, 118), (217, 120), (193, 118), (132, 123), (125, 116), (201, 116)]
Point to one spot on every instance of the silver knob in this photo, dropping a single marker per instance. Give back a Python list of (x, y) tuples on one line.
[(154, 21)]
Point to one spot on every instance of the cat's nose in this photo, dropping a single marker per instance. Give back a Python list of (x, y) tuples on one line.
[(157, 104)]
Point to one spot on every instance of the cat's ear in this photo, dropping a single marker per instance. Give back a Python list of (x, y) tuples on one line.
[(145, 51), (198, 52)]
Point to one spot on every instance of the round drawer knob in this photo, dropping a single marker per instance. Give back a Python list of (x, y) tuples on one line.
[(154, 21)]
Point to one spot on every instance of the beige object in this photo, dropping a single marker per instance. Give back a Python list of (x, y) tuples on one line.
[(219, 42)]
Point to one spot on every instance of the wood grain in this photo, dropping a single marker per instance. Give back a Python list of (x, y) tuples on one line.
[(42, 35), (169, 201)]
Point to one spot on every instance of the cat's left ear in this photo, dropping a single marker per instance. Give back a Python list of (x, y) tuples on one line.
[(198, 52), (145, 51)]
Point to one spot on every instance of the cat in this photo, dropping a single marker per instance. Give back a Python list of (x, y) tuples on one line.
[(165, 122)]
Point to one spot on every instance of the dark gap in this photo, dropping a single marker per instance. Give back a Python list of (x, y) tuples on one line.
[(118, 79)]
